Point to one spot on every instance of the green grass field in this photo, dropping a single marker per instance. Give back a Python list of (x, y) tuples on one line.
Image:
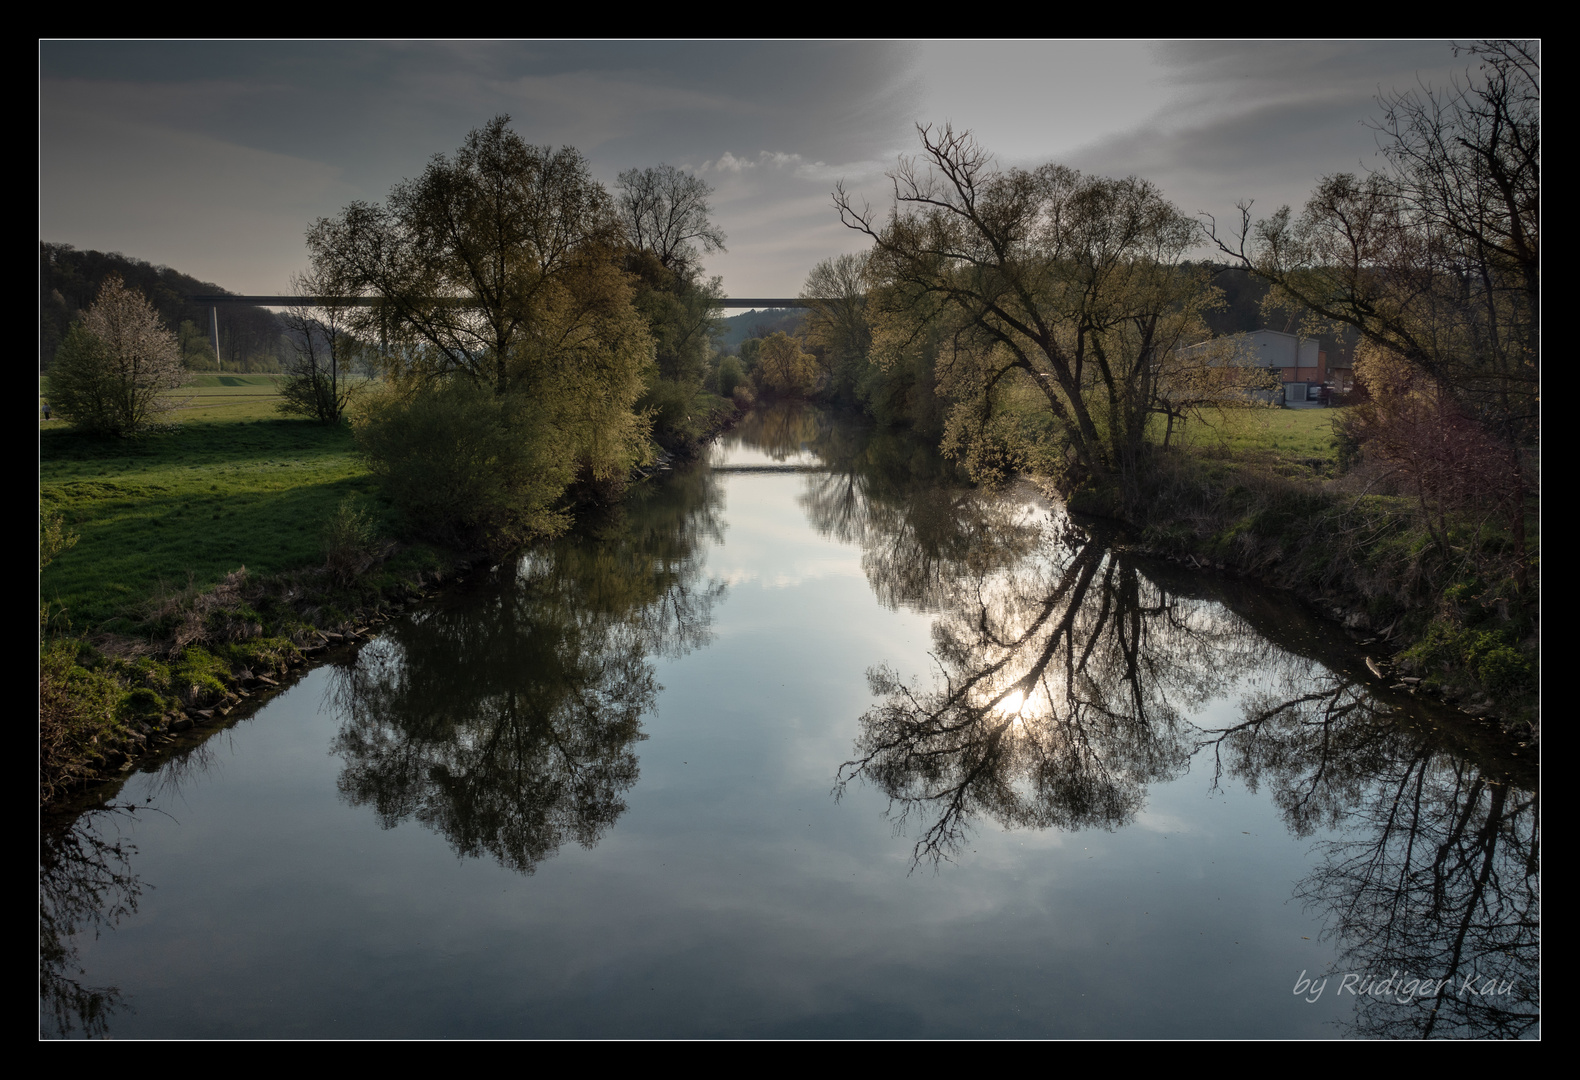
[(1254, 433), (208, 397), (229, 483)]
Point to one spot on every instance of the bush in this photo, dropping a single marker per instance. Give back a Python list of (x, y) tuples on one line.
[(76, 717), (112, 373), (1502, 668), (670, 406), (729, 376), (464, 465), (350, 542)]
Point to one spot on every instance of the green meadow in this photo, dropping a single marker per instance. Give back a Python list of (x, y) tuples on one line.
[(229, 482), (1297, 434)]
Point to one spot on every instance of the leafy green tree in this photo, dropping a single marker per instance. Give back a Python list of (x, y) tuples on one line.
[(730, 375), (664, 213), (501, 261), (836, 325), (783, 369), (117, 365), (500, 268)]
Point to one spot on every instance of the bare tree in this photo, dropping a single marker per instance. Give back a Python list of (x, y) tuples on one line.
[(1042, 284), (116, 366), (1436, 258), (317, 383), (665, 211)]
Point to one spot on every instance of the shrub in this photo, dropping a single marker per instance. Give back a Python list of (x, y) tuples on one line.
[(350, 542), (1502, 668), (76, 716), (463, 464), (730, 376)]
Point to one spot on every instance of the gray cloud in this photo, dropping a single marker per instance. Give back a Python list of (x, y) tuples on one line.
[(215, 157)]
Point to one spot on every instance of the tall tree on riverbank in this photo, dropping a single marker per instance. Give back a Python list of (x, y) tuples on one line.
[(1048, 293), (499, 269), (665, 216), (1435, 260)]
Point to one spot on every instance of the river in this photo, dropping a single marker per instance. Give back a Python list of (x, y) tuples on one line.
[(814, 740)]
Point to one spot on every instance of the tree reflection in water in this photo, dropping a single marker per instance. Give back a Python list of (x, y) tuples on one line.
[(1068, 679), (85, 882), (507, 721)]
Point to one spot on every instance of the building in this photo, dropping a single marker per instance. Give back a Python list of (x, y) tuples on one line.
[(1302, 365)]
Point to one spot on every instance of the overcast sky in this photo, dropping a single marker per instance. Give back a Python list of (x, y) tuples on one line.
[(214, 157)]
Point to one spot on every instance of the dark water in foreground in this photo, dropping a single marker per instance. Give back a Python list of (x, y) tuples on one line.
[(843, 750)]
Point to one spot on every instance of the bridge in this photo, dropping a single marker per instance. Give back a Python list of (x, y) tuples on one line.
[(214, 301)]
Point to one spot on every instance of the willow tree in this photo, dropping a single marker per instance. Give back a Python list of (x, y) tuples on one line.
[(498, 270), (1055, 300)]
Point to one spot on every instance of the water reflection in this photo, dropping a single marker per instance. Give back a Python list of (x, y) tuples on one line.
[(1069, 677), (1056, 699), (507, 719), (85, 884), (1068, 680), (1432, 889), (1437, 880)]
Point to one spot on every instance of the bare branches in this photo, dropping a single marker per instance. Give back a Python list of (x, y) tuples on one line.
[(666, 211), (1070, 284), (1435, 258)]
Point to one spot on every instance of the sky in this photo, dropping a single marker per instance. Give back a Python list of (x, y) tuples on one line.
[(215, 157)]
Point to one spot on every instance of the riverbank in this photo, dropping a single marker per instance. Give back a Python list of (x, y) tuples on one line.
[(1443, 607), (128, 671)]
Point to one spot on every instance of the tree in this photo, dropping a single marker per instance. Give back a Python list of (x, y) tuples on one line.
[(116, 366), (1435, 259), (681, 310), (500, 268), (836, 325), (1048, 291), (784, 369), (318, 382), (665, 211), (500, 261)]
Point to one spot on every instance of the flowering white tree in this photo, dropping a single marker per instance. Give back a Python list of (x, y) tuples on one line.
[(114, 369)]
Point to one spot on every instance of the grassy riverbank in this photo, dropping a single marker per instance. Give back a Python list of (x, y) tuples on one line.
[(198, 569), (229, 484), (204, 560), (1265, 493)]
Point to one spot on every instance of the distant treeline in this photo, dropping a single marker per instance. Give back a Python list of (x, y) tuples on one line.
[(757, 324), (69, 281)]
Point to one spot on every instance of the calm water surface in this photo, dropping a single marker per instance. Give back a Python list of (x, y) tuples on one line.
[(814, 740)]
